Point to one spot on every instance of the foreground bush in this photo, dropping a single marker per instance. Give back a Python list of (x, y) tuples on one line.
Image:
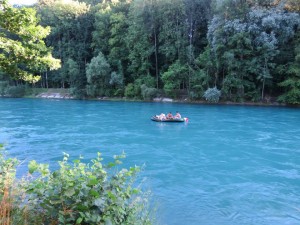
[(7, 189), (77, 193)]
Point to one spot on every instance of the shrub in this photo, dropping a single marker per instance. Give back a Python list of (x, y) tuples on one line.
[(79, 93), (16, 91), (3, 87), (10, 212), (212, 95), (148, 93), (119, 92), (129, 91), (78, 193), (292, 93)]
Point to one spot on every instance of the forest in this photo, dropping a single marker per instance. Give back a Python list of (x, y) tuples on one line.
[(227, 50)]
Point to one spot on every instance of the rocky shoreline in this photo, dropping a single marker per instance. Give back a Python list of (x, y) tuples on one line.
[(57, 95)]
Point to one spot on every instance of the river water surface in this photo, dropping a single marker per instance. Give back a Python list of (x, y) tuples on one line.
[(229, 165)]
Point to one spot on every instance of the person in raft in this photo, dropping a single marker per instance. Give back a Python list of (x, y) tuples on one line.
[(177, 116), (169, 116), (162, 116)]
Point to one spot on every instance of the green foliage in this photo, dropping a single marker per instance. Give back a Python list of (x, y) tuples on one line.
[(292, 96), (212, 95), (22, 49), (79, 93), (141, 37), (7, 171), (148, 93), (119, 93), (118, 52), (244, 46), (116, 79), (4, 85), (86, 193), (71, 34), (73, 72), (10, 194), (100, 33), (199, 82), (133, 90), (16, 91), (76, 193), (172, 32), (180, 46), (204, 74), (98, 75), (174, 77), (129, 91), (292, 79)]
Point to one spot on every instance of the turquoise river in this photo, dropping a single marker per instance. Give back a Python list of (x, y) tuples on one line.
[(229, 165)]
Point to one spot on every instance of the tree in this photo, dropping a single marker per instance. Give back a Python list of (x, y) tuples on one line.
[(174, 77), (142, 40), (22, 49), (212, 95), (118, 54), (70, 36), (201, 78), (98, 76), (198, 14), (173, 30), (73, 73), (291, 83), (245, 48), (101, 31)]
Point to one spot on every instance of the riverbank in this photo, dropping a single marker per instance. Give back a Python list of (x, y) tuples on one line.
[(64, 94)]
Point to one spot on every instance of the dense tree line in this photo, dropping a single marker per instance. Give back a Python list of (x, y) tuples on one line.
[(240, 50)]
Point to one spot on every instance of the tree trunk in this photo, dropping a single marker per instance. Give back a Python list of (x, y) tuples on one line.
[(47, 79), (156, 61), (190, 53), (263, 89), (42, 79)]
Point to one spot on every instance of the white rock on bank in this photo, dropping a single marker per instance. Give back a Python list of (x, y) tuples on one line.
[(163, 100)]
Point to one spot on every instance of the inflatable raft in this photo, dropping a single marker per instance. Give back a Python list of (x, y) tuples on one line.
[(173, 120)]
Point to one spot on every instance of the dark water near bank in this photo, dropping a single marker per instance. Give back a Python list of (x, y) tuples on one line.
[(230, 165)]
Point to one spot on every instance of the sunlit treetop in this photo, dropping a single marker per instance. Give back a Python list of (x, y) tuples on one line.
[(22, 49)]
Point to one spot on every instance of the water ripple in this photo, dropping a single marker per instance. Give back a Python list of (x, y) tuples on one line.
[(229, 165)]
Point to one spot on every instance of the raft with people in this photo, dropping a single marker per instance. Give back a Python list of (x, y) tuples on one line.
[(169, 118), (154, 118)]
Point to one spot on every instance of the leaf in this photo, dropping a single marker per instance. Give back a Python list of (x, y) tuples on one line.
[(99, 202), (32, 166), (70, 192), (92, 181), (76, 161), (94, 193), (55, 202), (108, 222), (135, 191), (111, 195), (79, 220), (111, 164)]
